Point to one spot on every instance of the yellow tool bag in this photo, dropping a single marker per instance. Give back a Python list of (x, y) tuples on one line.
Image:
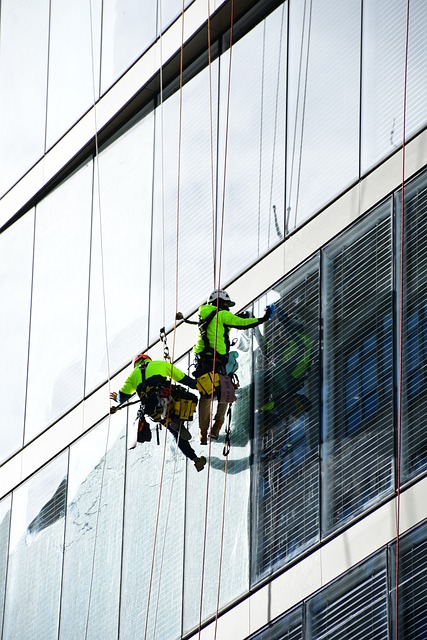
[(184, 404), (207, 382)]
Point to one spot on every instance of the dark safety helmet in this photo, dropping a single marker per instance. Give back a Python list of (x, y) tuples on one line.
[(139, 357), (221, 296)]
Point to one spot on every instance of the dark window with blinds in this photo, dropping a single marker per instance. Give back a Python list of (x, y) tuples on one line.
[(358, 368), (414, 314), (412, 594), (288, 627), (354, 607), (286, 487)]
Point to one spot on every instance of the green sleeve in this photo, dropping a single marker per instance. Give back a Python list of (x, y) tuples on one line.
[(132, 382), (231, 320)]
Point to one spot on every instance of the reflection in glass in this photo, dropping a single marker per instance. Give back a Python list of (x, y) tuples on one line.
[(120, 258), (59, 302), (286, 489), (220, 498), (23, 80), (73, 73), (183, 230), (323, 94), (93, 541), (35, 554), (358, 441), (251, 151), (16, 250)]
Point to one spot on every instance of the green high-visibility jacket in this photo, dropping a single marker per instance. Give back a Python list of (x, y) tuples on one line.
[(153, 370), (218, 330)]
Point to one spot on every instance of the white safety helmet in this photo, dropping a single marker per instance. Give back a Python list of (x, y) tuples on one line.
[(220, 295)]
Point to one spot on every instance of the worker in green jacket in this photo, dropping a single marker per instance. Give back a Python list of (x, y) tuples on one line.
[(161, 401), (212, 351)]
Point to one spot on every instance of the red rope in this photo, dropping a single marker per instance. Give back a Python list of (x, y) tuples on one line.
[(400, 372)]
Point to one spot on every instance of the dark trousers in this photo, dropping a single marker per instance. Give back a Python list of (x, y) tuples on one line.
[(184, 446)]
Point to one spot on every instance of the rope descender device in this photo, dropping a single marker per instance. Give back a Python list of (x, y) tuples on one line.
[(163, 338)]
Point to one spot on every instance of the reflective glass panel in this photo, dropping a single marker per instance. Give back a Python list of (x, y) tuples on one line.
[(35, 554), (286, 491), (16, 251), (93, 541), (217, 540), (383, 77), (414, 379), (251, 145), (74, 55), (358, 436), (323, 95), (4, 546), (120, 263), (183, 228), (151, 599), (129, 27), (59, 301), (23, 80)]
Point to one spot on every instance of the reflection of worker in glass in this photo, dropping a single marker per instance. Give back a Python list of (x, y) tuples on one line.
[(287, 356)]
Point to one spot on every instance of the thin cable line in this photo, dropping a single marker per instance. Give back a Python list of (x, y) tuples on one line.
[(401, 303)]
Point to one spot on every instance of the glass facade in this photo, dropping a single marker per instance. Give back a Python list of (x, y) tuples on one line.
[(215, 172)]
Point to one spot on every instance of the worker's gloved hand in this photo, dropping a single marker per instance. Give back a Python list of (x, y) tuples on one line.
[(114, 409), (113, 396), (269, 312), (179, 316)]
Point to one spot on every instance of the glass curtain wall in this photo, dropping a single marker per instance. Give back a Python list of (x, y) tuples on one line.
[(251, 145), (358, 427), (286, 445), (59, 302), (16, 250), (74, 60), (414, 326), (93, 535), (323, 104), (120, 257), (184, 200), (5, 509), (24, 35), (35, 554), (383, 76), (217, 539)]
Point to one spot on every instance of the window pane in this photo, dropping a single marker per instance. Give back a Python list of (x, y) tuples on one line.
[(286, 496), (153, 547), (323, 94), (358, 417), (59, 302), (384, 42), (16, 251), (251, 150), (35, 554), (220, 497), (183, 231), (412, 584), (120, 263), (93, 542), (414, 439), (352, 608), (73, 77), (23, 79)]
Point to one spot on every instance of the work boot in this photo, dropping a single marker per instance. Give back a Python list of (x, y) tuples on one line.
[(216, 428), (203, 436), (199, 463)]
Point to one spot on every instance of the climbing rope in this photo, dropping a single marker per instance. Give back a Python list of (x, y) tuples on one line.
[(400, 329), (98, 192)]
